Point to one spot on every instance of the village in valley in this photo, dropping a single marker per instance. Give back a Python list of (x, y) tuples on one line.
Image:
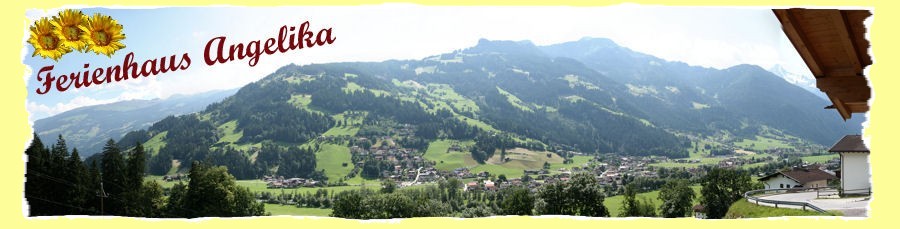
[(410, 167), (377, 160), (503, 128)]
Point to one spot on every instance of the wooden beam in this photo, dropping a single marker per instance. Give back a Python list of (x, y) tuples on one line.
[(849, 95), (843, 35), (857, 107), (841, 108), (837, 82), (842, 72), (791, 27)]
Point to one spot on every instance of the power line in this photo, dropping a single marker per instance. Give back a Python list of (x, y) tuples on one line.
[(58, 203), (102, 194)]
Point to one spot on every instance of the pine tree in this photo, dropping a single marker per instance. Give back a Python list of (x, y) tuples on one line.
[(76, 174), (137, 162), (92, 183), (56, 175), (134, 180), (36, 185), (113, 178)]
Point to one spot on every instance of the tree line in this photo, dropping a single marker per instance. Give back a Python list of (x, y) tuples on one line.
[(582, 195), (60, 183)]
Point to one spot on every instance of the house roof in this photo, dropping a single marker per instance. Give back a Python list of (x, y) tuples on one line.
[(850, 143), (803, 175), (699, 208), (834, 46)]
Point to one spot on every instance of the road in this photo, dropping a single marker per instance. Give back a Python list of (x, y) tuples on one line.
[(853, 207), (418, 172)]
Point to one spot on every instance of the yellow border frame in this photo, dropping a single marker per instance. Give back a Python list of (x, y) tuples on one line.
[(16, 131)]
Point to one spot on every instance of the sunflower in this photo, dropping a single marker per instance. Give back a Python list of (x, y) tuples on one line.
[(102, 34), (45, 43), (67, 29)]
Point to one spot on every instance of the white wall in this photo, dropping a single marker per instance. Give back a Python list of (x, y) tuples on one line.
[(855, 172), (777, 181)]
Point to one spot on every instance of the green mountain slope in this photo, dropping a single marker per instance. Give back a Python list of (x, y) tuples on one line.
[(498, 97), (88, 127)]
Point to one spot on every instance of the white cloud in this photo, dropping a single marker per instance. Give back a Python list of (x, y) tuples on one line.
[(38, 111), (709, 37)]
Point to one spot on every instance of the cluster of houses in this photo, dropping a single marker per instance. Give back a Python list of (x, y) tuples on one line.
[(176, 177), (406, 162), (462, 173), (388, 152), (614, 171), (488, 185), (281, 182)]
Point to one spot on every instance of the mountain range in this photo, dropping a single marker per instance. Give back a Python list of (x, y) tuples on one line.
[(89, 127), (590, 95), (801, 80)]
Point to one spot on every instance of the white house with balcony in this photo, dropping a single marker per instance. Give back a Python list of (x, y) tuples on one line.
[(854, 172)]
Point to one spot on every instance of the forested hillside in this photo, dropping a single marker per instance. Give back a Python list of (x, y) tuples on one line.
[(590, 96)]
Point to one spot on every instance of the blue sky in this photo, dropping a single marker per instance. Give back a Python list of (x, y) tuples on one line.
[(703, 36)]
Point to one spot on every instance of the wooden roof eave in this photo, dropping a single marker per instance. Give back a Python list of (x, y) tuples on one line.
[(833, 46)]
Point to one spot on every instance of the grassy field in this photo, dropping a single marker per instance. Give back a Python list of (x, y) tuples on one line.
[(155, 143), (352, 87), (761, 143), (744, 209), (277, 209), (300, 100), (574, 81), (228, 129), (820, 158), (703, 155), (438, 152), (260, 186), (515, 101), (298, 79), (576, 161), (519, 160), (476, 123), (254, 185), (332, 158), (446, 93), (614, 203), (350, 128)]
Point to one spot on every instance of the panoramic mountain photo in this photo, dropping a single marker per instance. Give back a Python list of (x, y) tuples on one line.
[(583, 119)]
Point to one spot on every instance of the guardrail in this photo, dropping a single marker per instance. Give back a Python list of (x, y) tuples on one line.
[(836, 191), (751, 196)]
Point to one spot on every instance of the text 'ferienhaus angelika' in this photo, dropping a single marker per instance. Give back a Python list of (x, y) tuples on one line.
[(216, 51)]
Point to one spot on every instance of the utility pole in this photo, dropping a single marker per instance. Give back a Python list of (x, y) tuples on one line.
[(102, 194)]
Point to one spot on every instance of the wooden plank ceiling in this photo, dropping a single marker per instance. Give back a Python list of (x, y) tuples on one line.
[(834, 47)]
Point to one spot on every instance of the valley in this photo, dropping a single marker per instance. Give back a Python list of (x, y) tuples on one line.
[(493, 116)]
